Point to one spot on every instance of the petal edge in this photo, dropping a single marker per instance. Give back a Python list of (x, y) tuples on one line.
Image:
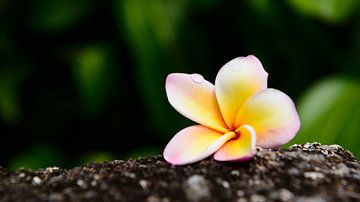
[(193, 144), (273, 115), (194, 97), (236, 81)]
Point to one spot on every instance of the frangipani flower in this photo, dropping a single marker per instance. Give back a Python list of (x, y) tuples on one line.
[(236, 115)]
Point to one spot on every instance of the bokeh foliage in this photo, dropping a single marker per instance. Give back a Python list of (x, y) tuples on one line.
[(83, 81)]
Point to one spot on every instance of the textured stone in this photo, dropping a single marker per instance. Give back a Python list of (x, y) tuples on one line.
[(310, 172)]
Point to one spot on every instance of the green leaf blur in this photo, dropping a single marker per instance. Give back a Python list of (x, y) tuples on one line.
[(92, 69), (329, 113), (332, 11)]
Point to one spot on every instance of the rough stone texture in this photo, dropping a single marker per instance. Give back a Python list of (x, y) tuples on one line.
[(309, 172)]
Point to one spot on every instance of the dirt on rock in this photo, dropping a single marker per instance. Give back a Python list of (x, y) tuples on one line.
[(310, 172)]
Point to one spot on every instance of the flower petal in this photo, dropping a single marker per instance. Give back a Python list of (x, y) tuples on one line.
[(240, 149), (236, 81), (194, 97), (273, 115), (194, 143)]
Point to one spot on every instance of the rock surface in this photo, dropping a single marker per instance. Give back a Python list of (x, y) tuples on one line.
[(310, 172)]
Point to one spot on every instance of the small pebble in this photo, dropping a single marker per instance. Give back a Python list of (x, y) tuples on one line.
[(257, 198), (314, 175), (22, 175), (242, 200), (235, 173), (93, 183), (144, 184), (240, 193), (294, 171), (131, 175), (285, 195), (196, 188), (225, 184), (53, 197), (97, 177), (152, 198), (90, 194), (36, 180), (52, 169), (310, 199), (81, 183)]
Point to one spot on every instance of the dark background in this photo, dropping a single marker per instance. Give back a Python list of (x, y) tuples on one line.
[(83, 81)]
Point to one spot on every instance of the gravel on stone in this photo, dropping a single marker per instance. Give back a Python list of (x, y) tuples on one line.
[(309, 172)]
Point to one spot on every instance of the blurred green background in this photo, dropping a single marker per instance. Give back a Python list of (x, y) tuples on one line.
[(83, 81)]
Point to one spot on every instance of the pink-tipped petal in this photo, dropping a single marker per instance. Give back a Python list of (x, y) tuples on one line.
[(273, 116), (194, 97), (193, 144), (236, 81), (242, 148)]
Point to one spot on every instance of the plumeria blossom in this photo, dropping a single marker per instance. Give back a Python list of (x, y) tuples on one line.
[(235, 115)]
